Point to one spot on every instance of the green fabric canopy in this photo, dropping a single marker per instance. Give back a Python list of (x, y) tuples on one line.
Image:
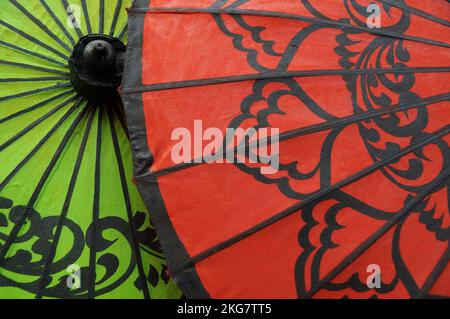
[(72, 223)]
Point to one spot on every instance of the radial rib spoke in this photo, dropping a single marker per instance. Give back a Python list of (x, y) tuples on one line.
[(34, 40), (76, 24), (127, 200), (101, 25), (115, 17), (58, 22), (31, 53), (34, 197), (51, 255), (41, 25), (36, 123), (34, 107), (41, 90), (95, 210), (32, 67), (86, 16)]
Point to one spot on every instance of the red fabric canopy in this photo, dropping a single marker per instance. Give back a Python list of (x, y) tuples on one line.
[(363, 118)]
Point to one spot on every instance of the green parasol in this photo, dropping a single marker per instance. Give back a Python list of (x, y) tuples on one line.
[(72, 223)]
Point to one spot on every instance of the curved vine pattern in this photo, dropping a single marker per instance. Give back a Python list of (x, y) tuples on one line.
[(377, 53), (39, 235), (382, 136), (362, 117)]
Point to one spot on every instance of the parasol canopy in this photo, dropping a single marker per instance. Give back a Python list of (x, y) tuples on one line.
[(352, 97), (72, 224)]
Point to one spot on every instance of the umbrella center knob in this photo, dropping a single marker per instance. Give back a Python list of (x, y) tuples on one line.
[(96, 67), (100, 57)]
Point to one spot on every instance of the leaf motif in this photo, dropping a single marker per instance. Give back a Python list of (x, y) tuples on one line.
[(111, 264), (153, 276), (5, 203)]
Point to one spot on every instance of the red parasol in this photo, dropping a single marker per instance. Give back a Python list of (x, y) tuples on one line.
[(351, 97)]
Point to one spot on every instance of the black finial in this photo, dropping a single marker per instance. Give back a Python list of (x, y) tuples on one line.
[(96, 67)]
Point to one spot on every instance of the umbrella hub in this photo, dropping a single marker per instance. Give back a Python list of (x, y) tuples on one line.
[(96, 67)]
